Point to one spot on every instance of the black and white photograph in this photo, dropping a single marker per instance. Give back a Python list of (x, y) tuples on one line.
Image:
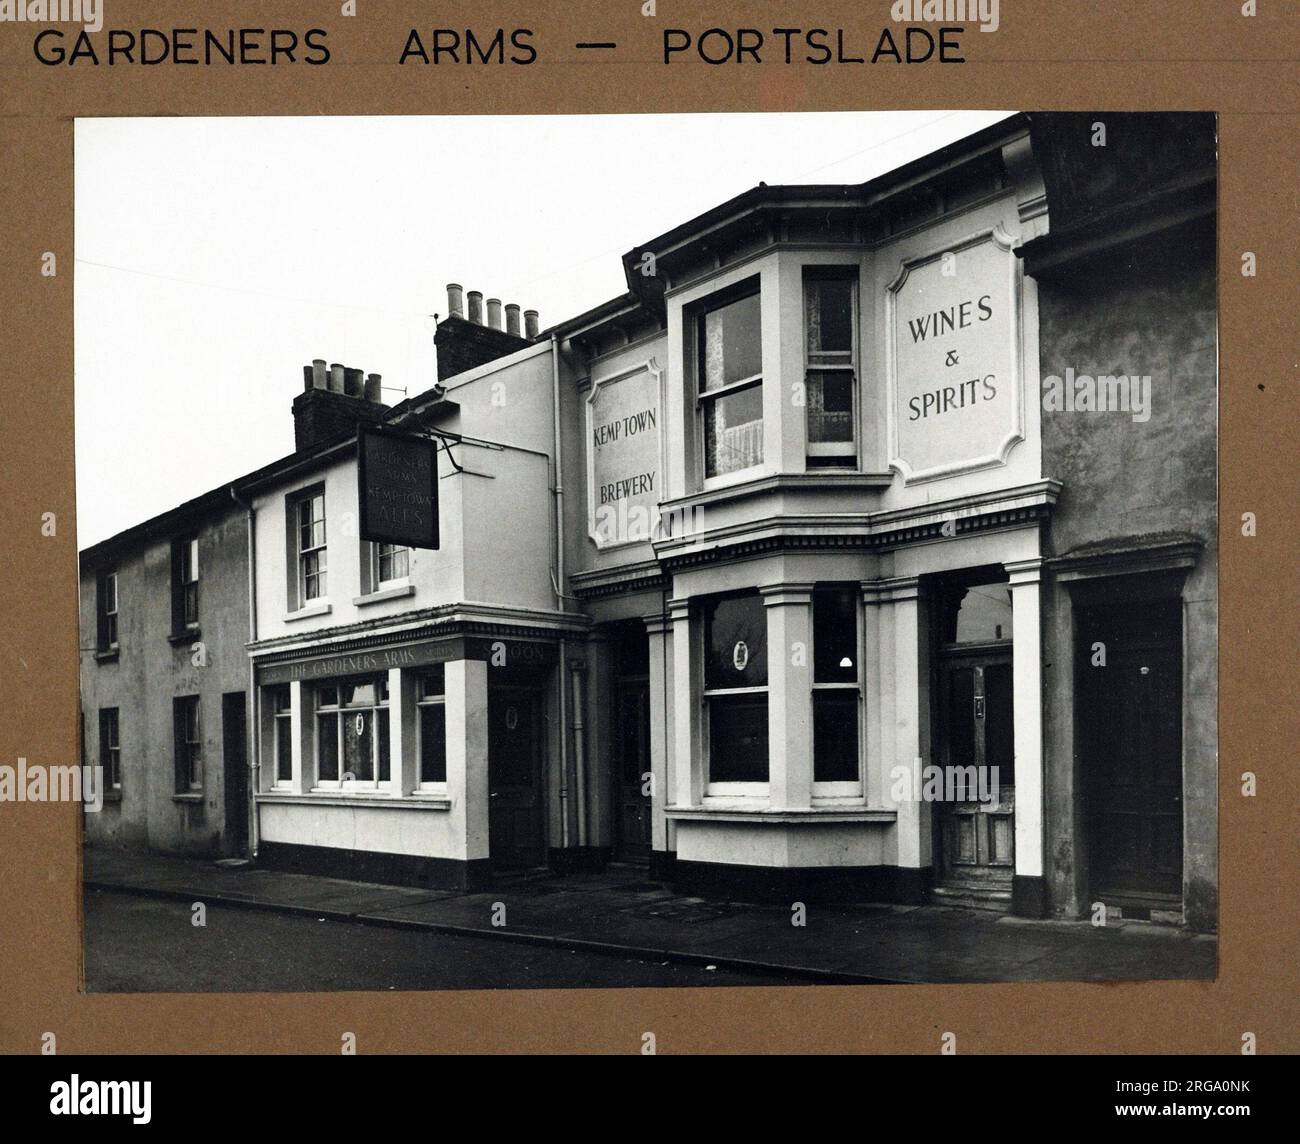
[(609, 551)]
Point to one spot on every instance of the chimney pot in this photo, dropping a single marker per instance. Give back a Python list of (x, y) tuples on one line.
[(374, 388), (307, 377), (475, 307), (512, 318), (494, 313), (318, 378), (455, 300), (530, 325), (353, 382), (337, 383)]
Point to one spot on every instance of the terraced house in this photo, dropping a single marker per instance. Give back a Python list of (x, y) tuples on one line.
[(864, 548)]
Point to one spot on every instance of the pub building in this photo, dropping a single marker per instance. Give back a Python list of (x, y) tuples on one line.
[(780, 573)]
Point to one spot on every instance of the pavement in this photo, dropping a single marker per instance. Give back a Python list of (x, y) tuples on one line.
[(621, 913)]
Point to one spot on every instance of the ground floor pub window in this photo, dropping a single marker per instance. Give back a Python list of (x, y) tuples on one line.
[(432, 705), (836, 697), (280, 705), (352, 733), (735, 693)]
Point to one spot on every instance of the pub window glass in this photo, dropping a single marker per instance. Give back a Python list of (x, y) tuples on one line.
[(730, 342), (830, 322), (282, 708), (352, 733), (836, 695), (432, 705), (735, 688)]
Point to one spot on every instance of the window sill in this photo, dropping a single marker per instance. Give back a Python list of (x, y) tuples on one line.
[(187, 636), (113, 796), (397, 592), (107, 655), (188, 796), (788, 816), (417, 801), (318, 609)]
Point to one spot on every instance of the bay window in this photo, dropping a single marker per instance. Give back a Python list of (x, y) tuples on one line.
[(729, 341), (735, 693)]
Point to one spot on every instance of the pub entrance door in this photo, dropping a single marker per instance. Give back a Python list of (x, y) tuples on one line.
[(631, 725), (516, 836)]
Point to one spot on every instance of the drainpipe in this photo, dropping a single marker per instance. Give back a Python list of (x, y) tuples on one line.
[(580, 750), (254, 722), (559, 589)]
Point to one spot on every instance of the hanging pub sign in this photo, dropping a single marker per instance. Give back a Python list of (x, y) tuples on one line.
[(397, 487)]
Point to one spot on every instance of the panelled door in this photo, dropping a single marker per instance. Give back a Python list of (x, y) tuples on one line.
[(516, 837), (632, 803), (1129, 718), (976, 748)]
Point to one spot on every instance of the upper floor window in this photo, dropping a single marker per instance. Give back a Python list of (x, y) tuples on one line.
[(110, 751), (730, 370), (188, 726), (735, 692), (311, 548), (106, 610), (830, 365), (391, 563), (185, 583)]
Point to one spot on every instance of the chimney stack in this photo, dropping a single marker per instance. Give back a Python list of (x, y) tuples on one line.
[(455, 300), (333, 402), (530, 325), (494, 313), (476, 307), (512, 319)]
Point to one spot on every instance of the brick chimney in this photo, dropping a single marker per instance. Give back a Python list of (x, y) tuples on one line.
[(333, 401), (466, 341)]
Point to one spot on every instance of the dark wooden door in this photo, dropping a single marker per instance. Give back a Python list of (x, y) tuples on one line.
[(1129, 716), (515, 835), (976, 748), (234, 760), (632, 764)]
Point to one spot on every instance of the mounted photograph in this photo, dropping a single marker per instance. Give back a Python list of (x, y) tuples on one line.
[(644, 551)]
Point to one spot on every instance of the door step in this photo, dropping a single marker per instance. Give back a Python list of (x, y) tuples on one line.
[(972, 897)]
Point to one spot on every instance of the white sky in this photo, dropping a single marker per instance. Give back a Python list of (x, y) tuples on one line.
[(216, 257)]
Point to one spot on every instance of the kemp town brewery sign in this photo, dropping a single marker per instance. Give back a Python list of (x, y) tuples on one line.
[(953, 359), (397, 477), (624, 457)]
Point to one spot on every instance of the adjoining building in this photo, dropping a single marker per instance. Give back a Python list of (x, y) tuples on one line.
[(833, 559)]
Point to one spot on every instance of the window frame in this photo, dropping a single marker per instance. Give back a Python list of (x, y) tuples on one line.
[(849, 274), (728, 789), (110, 748), (307, 500), (189, 750), (340, 710), (839, 788), (378, 581), (106, 618), (424, 700), (279, 716), (698, 314), (185, 584)]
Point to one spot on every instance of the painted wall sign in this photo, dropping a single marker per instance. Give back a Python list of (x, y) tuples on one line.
[(953, 358), (363, 662), (624, 456), (397, 487)]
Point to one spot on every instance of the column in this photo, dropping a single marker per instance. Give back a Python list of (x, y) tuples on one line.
[(1028, 890), (657, 628), (789, 695), (403, 760), (467, 755), (687, 787), (904, 618), (303, 740)]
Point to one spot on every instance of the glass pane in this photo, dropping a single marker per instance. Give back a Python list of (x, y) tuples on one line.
[(828, 313), (731, 343), (283, 748), (358, 748), (733, 431), (735, 642), (999, 731), (984, 614), (433, 682), (961, 718), (382, 744), (359, 694), (327, 696), (830, 406), (433, 743), (835, 736), (327, 746), (738, 739), (835, 635)]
